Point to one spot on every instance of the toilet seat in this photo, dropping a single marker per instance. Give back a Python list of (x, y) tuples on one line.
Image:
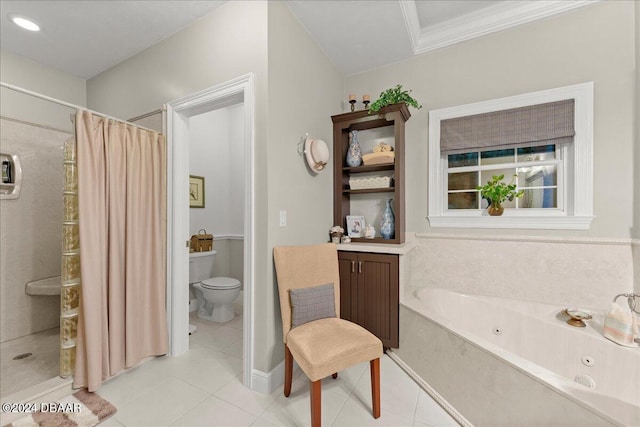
[(220, 283)]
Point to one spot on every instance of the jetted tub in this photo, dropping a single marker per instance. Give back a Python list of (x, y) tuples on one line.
[(509, 362)]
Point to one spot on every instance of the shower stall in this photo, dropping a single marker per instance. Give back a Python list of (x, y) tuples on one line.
[(40, 266), (31, 211)]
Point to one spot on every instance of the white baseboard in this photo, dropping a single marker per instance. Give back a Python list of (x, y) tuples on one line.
[(268, 382)]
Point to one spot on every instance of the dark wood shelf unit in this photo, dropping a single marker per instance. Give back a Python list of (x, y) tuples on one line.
[(371, 190), (369, 293), (373, 168), (394, 116), (365, 240)]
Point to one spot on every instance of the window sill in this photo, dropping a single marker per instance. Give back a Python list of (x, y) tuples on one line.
[(524, 222)]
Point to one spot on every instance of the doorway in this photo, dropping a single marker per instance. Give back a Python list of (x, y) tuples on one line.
[(179, 112)]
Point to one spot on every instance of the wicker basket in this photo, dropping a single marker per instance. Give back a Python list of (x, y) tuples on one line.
[(202, 241), (371, 182)]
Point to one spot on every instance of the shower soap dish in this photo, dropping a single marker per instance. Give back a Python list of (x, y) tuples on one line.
[(576, 317)]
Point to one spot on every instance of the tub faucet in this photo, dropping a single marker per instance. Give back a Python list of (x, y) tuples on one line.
[(631, 300)]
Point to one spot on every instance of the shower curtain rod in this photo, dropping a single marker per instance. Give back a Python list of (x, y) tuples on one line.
[(67, 104)]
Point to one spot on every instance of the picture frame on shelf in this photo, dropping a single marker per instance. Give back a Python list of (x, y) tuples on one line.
[(355, 224), (196, 191)]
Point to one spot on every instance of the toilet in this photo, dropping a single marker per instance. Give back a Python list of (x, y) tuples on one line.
[(215, 294)]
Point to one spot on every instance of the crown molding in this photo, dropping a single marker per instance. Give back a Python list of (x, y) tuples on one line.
[(485, 21), (411, 21)]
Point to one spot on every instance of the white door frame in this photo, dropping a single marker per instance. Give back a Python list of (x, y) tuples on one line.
[(179, 111)]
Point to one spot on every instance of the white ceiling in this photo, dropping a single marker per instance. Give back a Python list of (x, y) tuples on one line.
[(85, 38)]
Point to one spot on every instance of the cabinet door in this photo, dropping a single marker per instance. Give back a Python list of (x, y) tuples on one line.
[(378, 294), (347, 262)]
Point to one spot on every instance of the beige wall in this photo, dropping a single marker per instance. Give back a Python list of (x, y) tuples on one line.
[(593, 43), (304, 90), (636, 169), (229, 42), (636, 118), (20, 71)]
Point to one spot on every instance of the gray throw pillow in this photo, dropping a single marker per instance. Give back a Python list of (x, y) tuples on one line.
[(307, 304)]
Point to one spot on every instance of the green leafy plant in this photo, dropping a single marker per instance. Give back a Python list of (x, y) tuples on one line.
[(496, 191), (394, 96)]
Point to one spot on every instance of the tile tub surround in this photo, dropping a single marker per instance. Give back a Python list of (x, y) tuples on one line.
[(572, 272), (481, 386), (521, 333), (31, 229)]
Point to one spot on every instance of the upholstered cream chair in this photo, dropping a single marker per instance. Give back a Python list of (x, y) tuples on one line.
[(327, 345)]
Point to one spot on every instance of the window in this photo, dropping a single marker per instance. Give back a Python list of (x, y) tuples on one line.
[(541, 140), (537, 170)]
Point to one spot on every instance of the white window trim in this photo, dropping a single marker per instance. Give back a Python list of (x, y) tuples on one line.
[(578, 207)]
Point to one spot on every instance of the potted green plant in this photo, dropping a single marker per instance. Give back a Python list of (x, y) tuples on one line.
[(394, 96), (496, 192)]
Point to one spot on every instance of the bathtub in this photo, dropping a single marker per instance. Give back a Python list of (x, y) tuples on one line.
[(509, 362)]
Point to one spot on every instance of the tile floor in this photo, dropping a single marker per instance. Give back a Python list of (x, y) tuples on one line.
[(204, 388), (40, 366)]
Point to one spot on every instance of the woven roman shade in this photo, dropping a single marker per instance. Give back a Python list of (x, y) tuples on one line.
[(549, 123)]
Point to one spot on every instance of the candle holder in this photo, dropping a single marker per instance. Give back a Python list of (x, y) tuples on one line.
[(352, 101), (366, 99)]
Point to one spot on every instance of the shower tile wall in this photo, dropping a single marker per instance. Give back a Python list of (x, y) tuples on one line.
[(30, 229)]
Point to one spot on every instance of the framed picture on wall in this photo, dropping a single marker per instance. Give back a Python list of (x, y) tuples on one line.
[(196, 191), (355, 224)]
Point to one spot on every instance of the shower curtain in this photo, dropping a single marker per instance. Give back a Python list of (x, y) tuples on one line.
[(122, 223)]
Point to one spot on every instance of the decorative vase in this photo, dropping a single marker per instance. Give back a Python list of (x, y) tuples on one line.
[(354, 152), (387, 225), (495, 209)]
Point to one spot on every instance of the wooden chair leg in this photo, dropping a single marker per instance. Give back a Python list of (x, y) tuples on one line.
[(316, 403), (288, 370), (334, 376), (375, 386)]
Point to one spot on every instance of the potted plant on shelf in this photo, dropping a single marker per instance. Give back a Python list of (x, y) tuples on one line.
[(496, 192), (394, 96)]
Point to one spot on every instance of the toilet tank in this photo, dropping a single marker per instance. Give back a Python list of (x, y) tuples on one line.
[(201, 266)]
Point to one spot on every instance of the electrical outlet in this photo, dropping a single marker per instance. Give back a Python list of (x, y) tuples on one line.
[(283, 218)]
